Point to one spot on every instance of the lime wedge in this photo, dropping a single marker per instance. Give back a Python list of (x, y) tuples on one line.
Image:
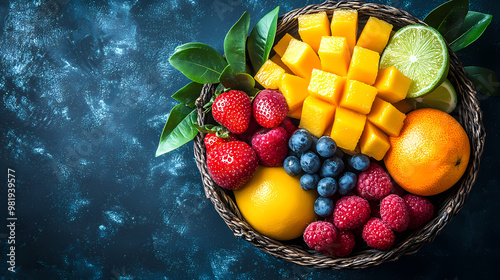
[(443, 98), (420, 53)]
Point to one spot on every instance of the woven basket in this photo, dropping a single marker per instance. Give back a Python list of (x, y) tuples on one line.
[(446, 204)]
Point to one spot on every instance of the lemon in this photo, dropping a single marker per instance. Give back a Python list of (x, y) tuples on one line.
[(274, 204)]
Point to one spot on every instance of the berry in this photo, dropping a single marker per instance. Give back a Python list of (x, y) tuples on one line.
[(332, 167), (211, 140), (347, 182), (374, 183), (233, 110), (394, 212), (247, 135), (310, 162), (269, 108), (300, 141), (343, 245), (313, 144), (377, 234), (320, 235), (351, 212), (288, 125), (326, 147), (309, 181), (420, 208), (327, 187), (291, 164), (359, 162), (232, 164), (270, 145), (323, 206)]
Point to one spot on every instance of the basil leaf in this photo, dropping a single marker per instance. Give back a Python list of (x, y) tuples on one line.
[(234, 43), (199, 62), (448, 18), (238, 81), (261, 39), (178, 130), (484, 80), (473, 27), (188, 94)]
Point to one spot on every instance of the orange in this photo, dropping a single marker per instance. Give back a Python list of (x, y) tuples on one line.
[(430, 154), (274, 204)]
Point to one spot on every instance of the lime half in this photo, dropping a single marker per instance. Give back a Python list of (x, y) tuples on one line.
[(420, 53), (443, 98)]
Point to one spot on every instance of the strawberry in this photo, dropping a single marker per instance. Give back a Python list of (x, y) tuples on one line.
[(233, 110), (269, 108), (270, 145), (231, 164), (211, 140)]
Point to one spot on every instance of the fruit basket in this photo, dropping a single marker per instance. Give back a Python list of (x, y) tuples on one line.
[(446, 204)]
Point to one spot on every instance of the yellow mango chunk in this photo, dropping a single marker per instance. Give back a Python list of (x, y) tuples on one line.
[(364, 65), (282, 44), (269, 75), (347, 128), (294, 89), (404, 106), (386, 117), (316, 115), (375, 35), (334, 55), (373, 142), (296, 113), (277, 59), (301, 59), (391, 84), (345, 24), (358, 96), (326, 86), (312, 27)]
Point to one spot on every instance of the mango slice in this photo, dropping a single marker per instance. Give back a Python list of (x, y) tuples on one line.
[(269, 75), (326, 86), (391, 84), (282, 44), (312, 27), (345, 24), (358, 96), (301, 58), (375, 35), (373, 142), (296, 113), (347, 128), (334, 55), (316, 115), (364, 65), (386, 117), (294, 88)]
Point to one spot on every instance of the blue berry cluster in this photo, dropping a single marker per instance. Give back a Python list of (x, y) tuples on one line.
[(323, 167)]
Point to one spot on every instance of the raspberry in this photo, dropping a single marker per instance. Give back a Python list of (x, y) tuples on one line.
[(420, 208), (351, 212), (270, 145), (320, 235), (377, 234), (373, 183), (343, 245), (395, 213)]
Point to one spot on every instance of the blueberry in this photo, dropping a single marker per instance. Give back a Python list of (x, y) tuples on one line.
[(291, 165), (359, 162), (327, 187), (323, 206), (347, 182), (313, 144), (332, 167), (309, 181), (310, 162), (326, 146), (300, 141)]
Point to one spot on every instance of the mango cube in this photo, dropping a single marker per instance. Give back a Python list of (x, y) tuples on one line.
[(334, 55), (386, 117), (345, 24), (392, 85), (282, 44), (358, 96), (326, 86), (277, 59), (375, 35), (373, 142), (296, 113), (269, 75), (312, 27), (294, 89), (316, 115), (364, 65), (301, 59), (347, 128)]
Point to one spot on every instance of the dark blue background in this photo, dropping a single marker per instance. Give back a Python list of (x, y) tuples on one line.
[(85, 91)]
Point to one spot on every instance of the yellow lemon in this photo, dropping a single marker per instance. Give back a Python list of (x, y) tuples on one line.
[(274, 204)]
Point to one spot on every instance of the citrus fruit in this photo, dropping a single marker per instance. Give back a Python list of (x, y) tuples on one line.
[(430, 154), (274, 204), (421, 54), (443, 98)]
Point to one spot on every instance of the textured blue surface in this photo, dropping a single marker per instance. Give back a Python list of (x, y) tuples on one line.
[(85, 91)]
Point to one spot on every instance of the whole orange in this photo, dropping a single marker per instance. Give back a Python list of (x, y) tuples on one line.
[(430, 154)]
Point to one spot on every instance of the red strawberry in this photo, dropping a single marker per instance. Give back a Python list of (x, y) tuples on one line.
[(269, 108), (233, 110), (270, 145), (211, 140), (247, 135), (231, 164)]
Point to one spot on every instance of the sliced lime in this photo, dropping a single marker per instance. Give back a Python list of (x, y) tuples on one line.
[(420, 53), (443, 98)]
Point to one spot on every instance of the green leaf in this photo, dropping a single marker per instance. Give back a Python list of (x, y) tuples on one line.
[(188, 94), (199, 62), (261, 39), (238, 81), (448, 18), (472, 28), (178, 130), (484, 80), (234, 43)]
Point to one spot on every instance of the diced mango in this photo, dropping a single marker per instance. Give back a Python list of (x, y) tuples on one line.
[(358, 96), (277, 59), (301, 59), (375, 35), (316, 115), (328, 129), (294, 88), (296, 113), (373, 142), (269, 75), (386, 117), (364, 65), (326, 86), (334, 55), (282, 44), (312, 27), (345, 24), (391, 84), (404, 106), (347, 128)]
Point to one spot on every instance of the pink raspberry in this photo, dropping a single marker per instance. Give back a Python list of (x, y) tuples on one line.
[(320, 235), (420, 208), (343, 245), (269, 108), (377, 234), (394, 212), (351, 212), (373, 183), (270, 145)]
